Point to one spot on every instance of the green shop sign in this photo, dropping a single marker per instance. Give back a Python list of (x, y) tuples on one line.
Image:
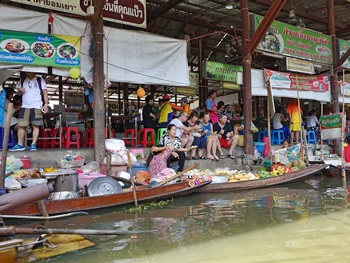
[(343, 47), (295, 42), (331, 121), (39, 49), (222, 72)]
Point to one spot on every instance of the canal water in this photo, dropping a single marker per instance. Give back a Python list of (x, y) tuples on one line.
[(301, 222)]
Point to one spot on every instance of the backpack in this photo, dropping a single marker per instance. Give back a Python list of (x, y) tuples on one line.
[(39, 84)]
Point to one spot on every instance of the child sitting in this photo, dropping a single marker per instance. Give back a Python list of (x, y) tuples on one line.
[(285, 144)]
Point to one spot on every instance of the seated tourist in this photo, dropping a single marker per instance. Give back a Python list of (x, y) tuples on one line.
[(211, 140), (226, 135)]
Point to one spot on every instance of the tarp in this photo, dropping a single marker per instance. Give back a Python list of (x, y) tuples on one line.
[(259, 89), (133, 56), (17, 19)]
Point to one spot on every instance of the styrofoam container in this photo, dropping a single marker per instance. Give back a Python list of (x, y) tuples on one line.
[(216, 179), (68, 164)]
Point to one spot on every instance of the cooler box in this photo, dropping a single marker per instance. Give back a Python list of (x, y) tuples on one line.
[(115, 169), (85, 179), (136, 168)]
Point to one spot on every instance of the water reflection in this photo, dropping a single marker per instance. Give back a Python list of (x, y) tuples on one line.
[(264, 225)]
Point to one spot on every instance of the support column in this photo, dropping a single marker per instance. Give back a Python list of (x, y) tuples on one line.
[(247, 84), (98, 78), (203, 88)]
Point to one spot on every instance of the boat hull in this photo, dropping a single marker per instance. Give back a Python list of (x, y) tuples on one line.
[(144, 194), (336, 171), (296, 176)]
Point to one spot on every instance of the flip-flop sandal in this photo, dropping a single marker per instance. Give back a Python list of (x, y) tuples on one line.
[(211, 158), (194, 158), (216, 158), (222, 156), (202, 158), (231, 156)]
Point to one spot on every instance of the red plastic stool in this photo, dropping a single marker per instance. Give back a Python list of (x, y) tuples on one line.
[(89, 138), (69, 132), (143, 137), (130, 140), (56, 142), (45, 141)]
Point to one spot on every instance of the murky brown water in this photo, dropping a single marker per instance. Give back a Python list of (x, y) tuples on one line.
[(294, 223)]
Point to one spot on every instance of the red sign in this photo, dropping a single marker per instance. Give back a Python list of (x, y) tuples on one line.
[(292, 81)]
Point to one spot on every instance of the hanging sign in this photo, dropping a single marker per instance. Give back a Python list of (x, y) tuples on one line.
[(343, 47), (194, 80), (292, 81), (331, 126), (186, 91), (298, 65), (231, 86), (39, 49), (222, 72), (131, 12), (344, 88), (288, 40)]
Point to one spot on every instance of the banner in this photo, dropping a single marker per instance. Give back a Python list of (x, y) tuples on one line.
[(283, 80), (231, 86), (131, 12), (344, 89), (293, 41), (287, 155), (343, 47), (222, 72), (331, 126), (39, 49)]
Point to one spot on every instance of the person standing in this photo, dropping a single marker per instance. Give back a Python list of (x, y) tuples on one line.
[(185, 106), (294, 112), (148, 115), (34, 103), (211, 108), (166, 112)]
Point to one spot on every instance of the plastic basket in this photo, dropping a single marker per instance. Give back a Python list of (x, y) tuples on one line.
[(68, 164), (115, 169)]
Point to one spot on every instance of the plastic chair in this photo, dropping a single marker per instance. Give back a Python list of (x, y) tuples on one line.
[(144, 139), (129, 137), (277, 136), (11, 141), (46, 141), (311, 137), (89, 138), (56, 142), (69, 133), (160, 133), (261, 134)]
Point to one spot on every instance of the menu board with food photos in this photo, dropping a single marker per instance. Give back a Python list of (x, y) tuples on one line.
[(39, 49)]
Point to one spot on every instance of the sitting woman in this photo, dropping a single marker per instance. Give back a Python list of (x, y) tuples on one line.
[(312, 124), (278, 118), (211, 140), (177, 153), (198, 140)]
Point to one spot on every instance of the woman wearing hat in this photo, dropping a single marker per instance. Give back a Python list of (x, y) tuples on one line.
[(166, 112)]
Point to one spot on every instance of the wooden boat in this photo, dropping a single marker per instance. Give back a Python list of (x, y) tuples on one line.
[(143, 193), (299, 175), (336, 170)]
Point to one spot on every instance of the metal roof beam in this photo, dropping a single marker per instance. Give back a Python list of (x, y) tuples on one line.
[(163, 9)]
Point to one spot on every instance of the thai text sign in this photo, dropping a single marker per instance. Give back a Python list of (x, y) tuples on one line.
[(344, 88), (343, 47), (296, 42), (298, 65), (331, 126), (221, 72), (131, 12), (39, 49), (292, 81)]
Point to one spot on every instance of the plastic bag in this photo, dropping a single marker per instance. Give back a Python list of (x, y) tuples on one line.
[(115, 146), (90, 167), (253, 128)]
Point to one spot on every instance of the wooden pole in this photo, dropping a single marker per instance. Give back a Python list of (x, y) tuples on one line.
[(132, 179), (98, 78), (5, 144), (11, 230), (343, 119)]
